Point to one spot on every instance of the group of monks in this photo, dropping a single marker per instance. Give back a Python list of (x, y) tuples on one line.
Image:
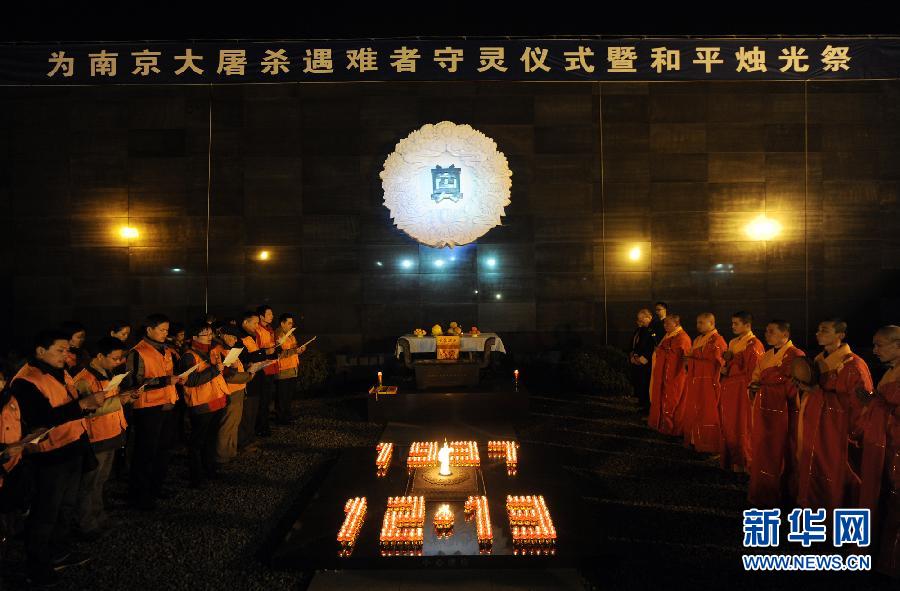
[(820, 438)]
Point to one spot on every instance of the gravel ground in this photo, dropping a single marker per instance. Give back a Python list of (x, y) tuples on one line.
[(665, 511), (208, 539)]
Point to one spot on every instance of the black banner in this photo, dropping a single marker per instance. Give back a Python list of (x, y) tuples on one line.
[(449, 59)]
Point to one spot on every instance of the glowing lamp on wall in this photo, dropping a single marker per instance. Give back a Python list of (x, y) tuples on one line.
[(446, 184), (129, 232), (763, 228)]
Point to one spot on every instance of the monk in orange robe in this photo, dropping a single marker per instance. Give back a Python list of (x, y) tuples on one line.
[(701, 392), (773, 417), (667, 379), (828, 412), (741, 357), (880, 471)]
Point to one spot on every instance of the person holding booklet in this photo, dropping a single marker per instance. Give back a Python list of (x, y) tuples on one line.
[(252, 358), (105, 428), (236, 378), (46, 397), (205, 395), (288, 364), (151, 368), (265, 339)]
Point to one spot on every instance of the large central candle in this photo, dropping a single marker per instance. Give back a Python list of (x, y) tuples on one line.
[(444, 459)]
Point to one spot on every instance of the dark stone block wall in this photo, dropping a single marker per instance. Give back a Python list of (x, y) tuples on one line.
[(677, 169)]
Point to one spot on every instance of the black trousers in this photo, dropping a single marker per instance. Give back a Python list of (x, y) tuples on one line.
[(202, 444), (266, 394), (154, 430), (247, 426), (284, 395), (52, 511), (640, 379)]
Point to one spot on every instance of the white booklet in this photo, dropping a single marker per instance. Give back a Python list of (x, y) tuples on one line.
[(188, 372), (114, 383), (259, 365), (232, 356), (286, 335)]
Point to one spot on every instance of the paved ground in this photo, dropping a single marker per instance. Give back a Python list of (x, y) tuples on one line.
[(664, 513)]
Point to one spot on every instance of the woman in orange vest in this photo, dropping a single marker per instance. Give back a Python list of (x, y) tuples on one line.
[(205, 395), (78, 357), (151, 365), (121, 331), (106, 430), (236, 378), (288, 365), (47, 398)]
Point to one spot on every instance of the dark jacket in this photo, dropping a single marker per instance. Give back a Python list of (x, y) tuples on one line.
[(37, 412), (643, 342), (657, 328)]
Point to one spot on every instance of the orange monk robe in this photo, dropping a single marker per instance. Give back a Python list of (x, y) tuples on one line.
[(880, 473), (734, 402), (702, 427), (773, 417), (667, 381), (827, 416)]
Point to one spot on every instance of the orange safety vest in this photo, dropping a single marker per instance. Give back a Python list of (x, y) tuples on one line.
[(232, 388), (212, 390), (265, 338), (250, 344), (57, 395), (290, 361), (105, 426), (10, 429), (156, 365)]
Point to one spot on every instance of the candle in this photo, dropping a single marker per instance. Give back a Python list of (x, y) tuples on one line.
[(379, 378), (355, 515), (443, 521), (383, 459), (531, 524), (402, 525), (477, 508)]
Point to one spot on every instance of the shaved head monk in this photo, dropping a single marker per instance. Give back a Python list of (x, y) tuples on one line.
[(880, 473), (701, 393), (744, 350), (829, 411), (774, 418), (667, 379)]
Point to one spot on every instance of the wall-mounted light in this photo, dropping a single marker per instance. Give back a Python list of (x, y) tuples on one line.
[(406, 264), (129, 232), (439, 263), (634, 253), (379, 264), (177, 269), (498, 296), (264, 255), (763, 228), (491, 262)]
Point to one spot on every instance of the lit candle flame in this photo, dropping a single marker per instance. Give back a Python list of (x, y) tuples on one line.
[(444, 459)]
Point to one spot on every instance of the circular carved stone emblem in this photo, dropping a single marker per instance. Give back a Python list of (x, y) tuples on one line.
[(446, 184)]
